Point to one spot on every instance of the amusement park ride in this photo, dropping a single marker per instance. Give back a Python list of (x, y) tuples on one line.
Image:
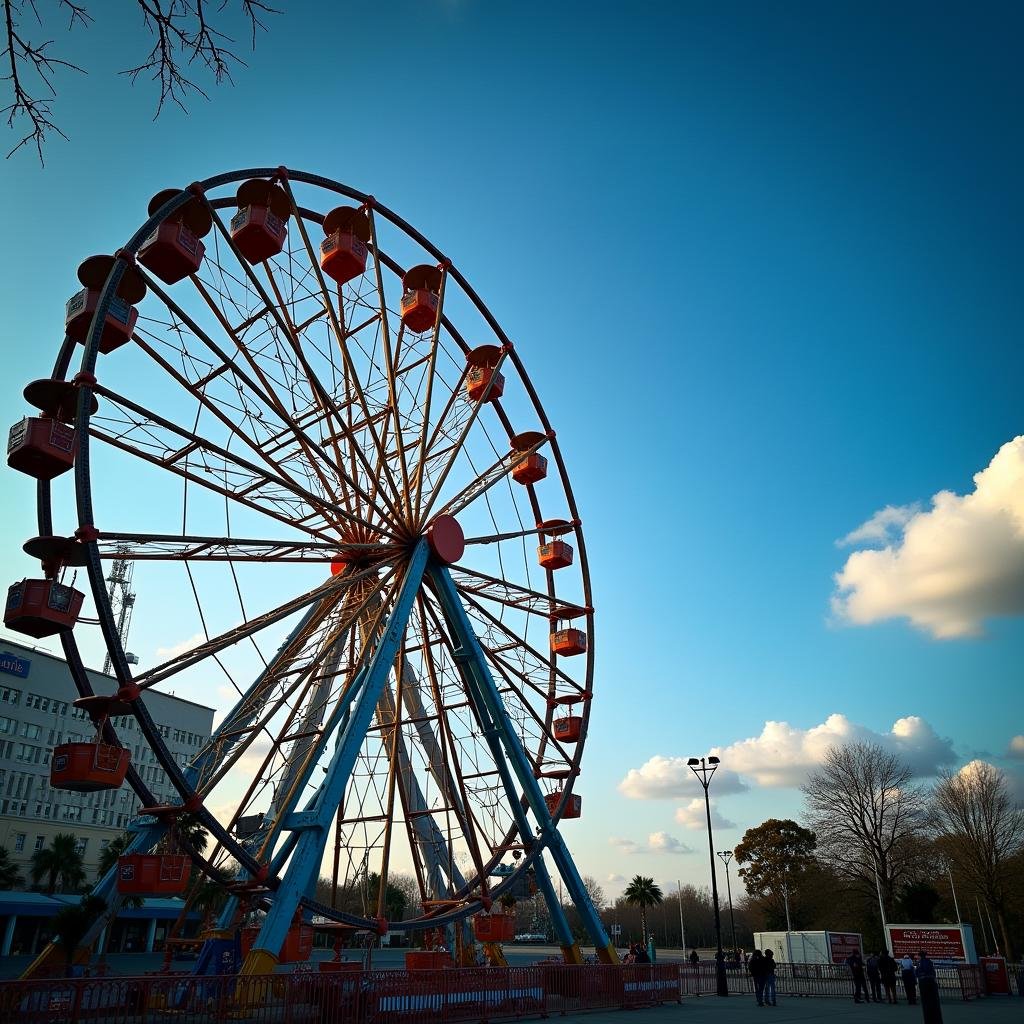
[(409, 637)]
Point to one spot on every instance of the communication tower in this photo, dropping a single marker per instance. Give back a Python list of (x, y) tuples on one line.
[(122, 601)]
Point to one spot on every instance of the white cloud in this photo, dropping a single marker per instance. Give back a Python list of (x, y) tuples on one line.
[(950, 567), (783, 754), (167, 653), (667, 778), (1016, 748), (624, 845), (657, 842), (662, 842), (694, 815), (613, 878), (882, 526)]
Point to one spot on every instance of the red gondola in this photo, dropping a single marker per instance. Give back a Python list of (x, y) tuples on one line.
[(556, 554), (568, 729), (260, 227), (173, 250), (533, 467), (568, 642), (494, 927), (42, 607), (573, 806), (296, 949), (343, 252), (153, 874), (88, 767), (43, 447), (121, 313), (421, 286)]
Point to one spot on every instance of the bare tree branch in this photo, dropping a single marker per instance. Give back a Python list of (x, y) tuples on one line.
[(188, 41), (867, 816)]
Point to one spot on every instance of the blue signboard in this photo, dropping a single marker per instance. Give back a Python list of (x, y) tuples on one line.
[(13, 665)]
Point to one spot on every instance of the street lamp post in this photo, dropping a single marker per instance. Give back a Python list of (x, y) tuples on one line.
[(704, 768), (726, 856)]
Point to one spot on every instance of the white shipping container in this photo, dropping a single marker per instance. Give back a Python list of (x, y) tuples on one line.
[(809, 947)]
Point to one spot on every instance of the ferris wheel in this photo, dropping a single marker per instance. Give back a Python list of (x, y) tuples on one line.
[(297, 418)]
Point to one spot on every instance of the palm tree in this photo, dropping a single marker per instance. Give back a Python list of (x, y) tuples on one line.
[(643, 893), (60, 864), (10, 876), (111, 852)]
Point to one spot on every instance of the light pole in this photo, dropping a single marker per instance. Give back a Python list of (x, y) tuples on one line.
[(726, 856), (682, 930), (785, 901), (949, 869), (704, 768)]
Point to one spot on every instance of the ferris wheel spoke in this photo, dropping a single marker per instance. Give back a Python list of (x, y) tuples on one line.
[(254, 478), (199, 392), (330, 413), (495, 538), (439, 444), (470, 582), (310, 448), (500, 626), (486, 480), (216, 644), (460, 442), (341, 341), (264, 391), (332, 410), (140, 547), (428, 398), (389, 367)]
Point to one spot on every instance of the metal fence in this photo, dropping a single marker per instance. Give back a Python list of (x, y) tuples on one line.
[(356, 997), (828, 980), (449, 996)]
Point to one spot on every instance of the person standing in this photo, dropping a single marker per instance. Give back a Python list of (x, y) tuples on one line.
[(769, 977), (928, 983), (856, 964), (909, 978), (694, 958), (874, 978), (757, 972), (887, 968)]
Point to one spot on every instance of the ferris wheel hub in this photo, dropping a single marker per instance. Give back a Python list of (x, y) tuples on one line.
[(446, 539)]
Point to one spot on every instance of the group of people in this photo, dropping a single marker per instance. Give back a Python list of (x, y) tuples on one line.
[(880, 970), (637, 954), (762, 970)]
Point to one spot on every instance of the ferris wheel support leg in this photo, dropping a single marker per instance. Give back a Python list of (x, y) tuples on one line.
[(314, 824), (470, 657)]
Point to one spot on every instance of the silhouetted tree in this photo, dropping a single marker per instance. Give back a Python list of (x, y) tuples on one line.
[(187, 36), (643, 893)]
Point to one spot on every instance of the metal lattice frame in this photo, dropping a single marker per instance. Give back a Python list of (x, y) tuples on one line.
[(403, 689)]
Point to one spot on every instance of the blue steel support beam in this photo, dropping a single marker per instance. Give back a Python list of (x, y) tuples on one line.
[(471, 656), (492, 737), (314, 824)]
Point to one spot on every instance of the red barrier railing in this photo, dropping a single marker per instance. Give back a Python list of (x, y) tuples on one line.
[(356, 997), (410, 997)]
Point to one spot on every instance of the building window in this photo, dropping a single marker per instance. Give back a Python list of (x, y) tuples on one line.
[(80, 846), (8, 695), (40, 842), (27, 753), (30, 731), (8, 726), (19, 842)]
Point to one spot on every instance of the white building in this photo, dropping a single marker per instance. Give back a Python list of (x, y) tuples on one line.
[(37, 713)]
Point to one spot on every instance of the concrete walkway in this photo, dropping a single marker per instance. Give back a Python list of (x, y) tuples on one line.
[(739, 1010)]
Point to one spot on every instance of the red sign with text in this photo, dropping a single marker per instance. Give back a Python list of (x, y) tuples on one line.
[(938, 943), (843, 944)]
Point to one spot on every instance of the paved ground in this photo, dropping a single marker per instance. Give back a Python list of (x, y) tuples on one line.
[(712, 1010)]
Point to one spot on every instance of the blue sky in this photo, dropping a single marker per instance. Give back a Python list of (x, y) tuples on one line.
[(762, 262)]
